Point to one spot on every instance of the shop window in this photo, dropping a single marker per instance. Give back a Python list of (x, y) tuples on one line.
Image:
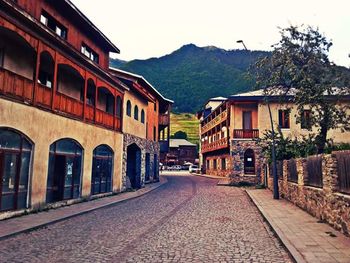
[(88, 52), (53, 24), (284, 119), (223, 164), (102, 164)]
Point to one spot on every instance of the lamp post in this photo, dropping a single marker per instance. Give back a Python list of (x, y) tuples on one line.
[(274, 165)]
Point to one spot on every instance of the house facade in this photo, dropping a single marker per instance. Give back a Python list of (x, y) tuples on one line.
[(62, 111), (229, 132), (180, 152)]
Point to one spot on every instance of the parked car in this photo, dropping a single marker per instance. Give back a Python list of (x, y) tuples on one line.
[(175, 168), (194, 169)]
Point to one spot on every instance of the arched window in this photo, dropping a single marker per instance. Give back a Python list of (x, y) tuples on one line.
[(105, 100), (102, 164), (64, 176), (143, 116), (136, 113), (15, 158), (46, 69), (118, 111), (91, 93), (70, 82), (128, 108)]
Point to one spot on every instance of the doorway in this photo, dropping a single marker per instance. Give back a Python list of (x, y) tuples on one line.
[(133, 169), (249, 162)]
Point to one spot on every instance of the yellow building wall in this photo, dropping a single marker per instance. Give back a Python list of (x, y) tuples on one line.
[(236, 116), (44, 128), (295, 128), (130, 125)]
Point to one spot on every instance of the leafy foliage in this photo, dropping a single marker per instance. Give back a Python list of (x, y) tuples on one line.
[(179, 135), (191, 75), (299, 64)]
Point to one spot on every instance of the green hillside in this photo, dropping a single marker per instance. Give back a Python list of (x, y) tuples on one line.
[(191, 75), (185, 122)]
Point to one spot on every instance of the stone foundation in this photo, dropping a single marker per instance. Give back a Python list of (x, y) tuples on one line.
[(146, 146)]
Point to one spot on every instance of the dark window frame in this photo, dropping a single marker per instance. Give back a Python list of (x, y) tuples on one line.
[(305, 122), (89, 53), (51, 22), (142, 116), (284, 119), (136, 112), (128, 108)]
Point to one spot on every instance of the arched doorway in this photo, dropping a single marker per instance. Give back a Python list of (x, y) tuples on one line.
[(249, 162), (102, 164), (64, 176), (15, 158), (133, 169)]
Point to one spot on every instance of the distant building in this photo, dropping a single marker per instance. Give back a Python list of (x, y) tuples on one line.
[(229, 131), (180, 152)]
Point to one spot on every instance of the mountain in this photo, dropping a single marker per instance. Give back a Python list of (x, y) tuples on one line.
[(117, 63), (191, 75)]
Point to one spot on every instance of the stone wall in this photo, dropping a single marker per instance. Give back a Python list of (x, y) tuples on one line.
[(238, 148), (146, 146), (220, 171), (325, 203)]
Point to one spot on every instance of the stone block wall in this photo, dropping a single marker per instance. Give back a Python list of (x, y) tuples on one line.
[(146, 146), (326, 203), (219, 171)]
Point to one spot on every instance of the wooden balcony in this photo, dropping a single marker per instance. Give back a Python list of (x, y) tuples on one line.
[(245, 134), (71, 106), (44, 96), (21, 89), (217, 145), (16, 86), (216, 121), (164, 119)]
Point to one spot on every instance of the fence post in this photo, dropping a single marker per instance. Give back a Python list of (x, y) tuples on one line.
[(330, 174), (300, 163)]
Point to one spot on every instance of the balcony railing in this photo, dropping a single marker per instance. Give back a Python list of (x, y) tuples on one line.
[(164, 119), (217, 145), (16, 86), (245, 134), (217, 120), (44, 96), (66, 104)]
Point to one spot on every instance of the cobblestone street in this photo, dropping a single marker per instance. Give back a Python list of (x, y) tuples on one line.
[(189, 219)]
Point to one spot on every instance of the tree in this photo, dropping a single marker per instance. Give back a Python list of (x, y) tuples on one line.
[(179, 135), (299, 66)]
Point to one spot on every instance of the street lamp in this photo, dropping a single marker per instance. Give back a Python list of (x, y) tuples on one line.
[(274, 166), (241, 42)]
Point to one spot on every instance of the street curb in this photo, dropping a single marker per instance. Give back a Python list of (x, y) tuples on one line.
[(210, 176), (41, 225), (296, 255)]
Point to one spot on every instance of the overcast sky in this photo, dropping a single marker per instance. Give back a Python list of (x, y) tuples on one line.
[(152, 28)]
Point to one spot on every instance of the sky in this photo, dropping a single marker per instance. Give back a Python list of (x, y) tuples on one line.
[(152, 28)]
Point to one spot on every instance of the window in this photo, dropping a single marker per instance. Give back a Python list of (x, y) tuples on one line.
[(136, 113), (52, 24), (142, 116), (306, 119), (208, 164), (101, 180), (88, 52), (128, 108), (119, 107), (215, 164), (154, 133), (223, 164), (155, 106), (284, 119)]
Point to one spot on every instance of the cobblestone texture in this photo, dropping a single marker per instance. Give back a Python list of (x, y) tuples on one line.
[(189, 219)]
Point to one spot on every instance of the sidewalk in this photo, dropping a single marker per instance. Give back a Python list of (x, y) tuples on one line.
[(26, 223), (305, 238)]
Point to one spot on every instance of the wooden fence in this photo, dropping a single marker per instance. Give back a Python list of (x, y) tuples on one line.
[(343, 161), (314, 171)]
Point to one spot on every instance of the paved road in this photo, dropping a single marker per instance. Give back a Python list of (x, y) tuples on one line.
[(190, 219)]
